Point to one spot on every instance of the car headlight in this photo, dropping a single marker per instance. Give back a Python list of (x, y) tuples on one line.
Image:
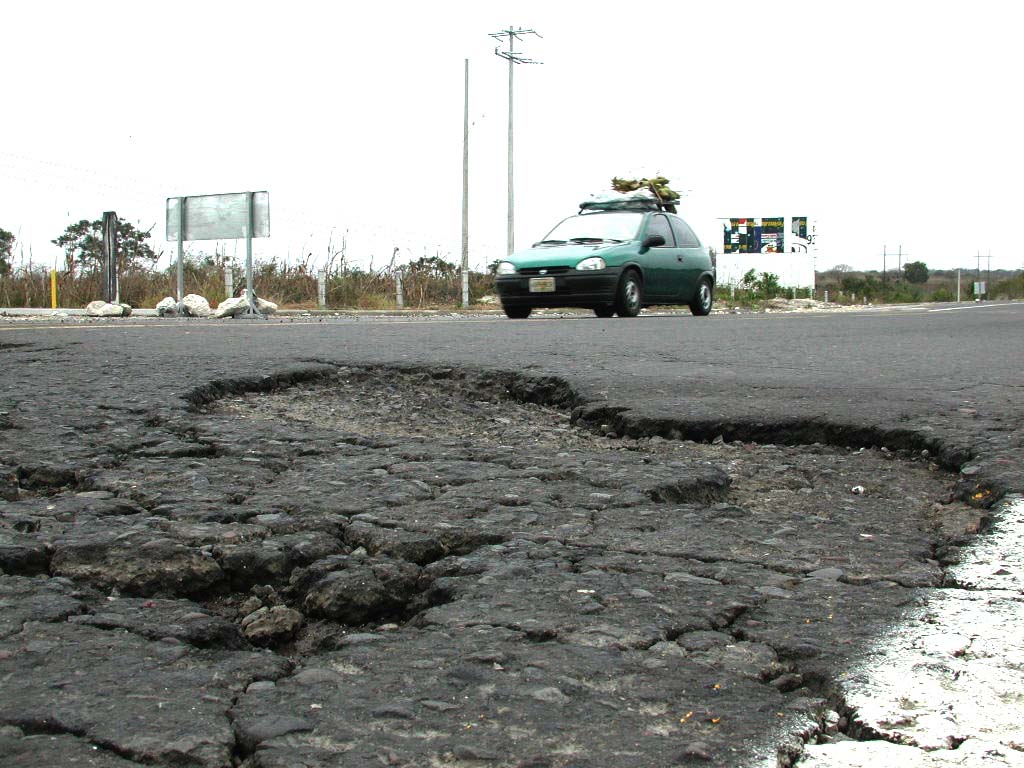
[(506, 268), (594, 262)]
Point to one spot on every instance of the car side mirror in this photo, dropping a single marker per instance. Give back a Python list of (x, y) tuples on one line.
[(653, 241)]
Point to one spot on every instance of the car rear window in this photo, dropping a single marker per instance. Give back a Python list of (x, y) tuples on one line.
[(685, 238)]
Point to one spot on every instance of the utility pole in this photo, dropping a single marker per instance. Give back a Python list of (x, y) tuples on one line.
[(513, 58), (977, 290), (465, 193), (885, 274), (988, 275)]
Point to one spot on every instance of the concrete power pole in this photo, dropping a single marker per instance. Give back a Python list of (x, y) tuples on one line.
[(465, 194), (513, 58)]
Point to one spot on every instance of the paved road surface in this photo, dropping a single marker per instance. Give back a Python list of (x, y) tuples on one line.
[(184, 586)]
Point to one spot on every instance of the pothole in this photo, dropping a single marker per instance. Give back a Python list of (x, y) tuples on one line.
[(807, 484), (455, 538)]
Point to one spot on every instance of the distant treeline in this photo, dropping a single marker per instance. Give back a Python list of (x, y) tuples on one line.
[(938, 285)]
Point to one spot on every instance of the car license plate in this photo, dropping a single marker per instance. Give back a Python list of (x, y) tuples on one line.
[(542, 285)]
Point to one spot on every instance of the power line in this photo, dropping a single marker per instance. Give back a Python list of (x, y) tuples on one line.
[(899, 267)]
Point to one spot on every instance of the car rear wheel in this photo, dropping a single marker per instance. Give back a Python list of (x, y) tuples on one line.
[(517, 313), (607, 311), (702, 299), (627, 300)]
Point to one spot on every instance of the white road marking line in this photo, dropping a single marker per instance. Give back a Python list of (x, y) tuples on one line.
[(972, 306)]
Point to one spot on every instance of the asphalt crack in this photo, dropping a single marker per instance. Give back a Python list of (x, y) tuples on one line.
[(327, 510)]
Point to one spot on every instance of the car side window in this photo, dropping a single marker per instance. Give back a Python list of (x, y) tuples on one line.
[(658, 225), (685, 238)]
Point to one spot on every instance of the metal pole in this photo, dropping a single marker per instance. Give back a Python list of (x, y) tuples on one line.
[(958, 286), (321, 289), (511, 184), (465, 192), (399, 297), (250, 294), (181, 251)]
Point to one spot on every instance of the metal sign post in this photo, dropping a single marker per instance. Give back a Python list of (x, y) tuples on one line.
[(220, 217), (250, 296), (181, 253)]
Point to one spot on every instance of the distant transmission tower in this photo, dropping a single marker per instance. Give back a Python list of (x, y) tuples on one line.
[(513, 58)]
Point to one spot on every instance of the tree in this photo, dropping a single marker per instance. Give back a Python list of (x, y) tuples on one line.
[(6, 251), (83, 244), (915, 272)]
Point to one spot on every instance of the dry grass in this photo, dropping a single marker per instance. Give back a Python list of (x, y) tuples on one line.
[(289, 286)]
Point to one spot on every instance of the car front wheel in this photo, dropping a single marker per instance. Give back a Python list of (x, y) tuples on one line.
[(627, 301), (702, 299), (517, 313)]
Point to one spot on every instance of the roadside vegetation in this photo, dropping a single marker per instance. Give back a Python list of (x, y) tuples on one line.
[(427, 283), (916, 283)]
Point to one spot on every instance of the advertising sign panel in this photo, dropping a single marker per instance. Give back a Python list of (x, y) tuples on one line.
[(764, 235)]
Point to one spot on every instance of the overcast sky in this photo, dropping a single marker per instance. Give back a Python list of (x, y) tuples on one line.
[(888, 124)]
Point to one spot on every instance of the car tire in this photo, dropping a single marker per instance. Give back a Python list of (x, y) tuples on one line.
[(629, 296), (703, 297), (517, 313), (604, 311)]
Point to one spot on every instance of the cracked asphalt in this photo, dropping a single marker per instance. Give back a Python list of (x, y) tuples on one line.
[(558, 542)]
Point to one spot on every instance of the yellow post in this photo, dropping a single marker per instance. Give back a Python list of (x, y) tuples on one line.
[(53, 289)]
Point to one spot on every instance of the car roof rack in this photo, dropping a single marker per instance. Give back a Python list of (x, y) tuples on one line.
[(629, 204)]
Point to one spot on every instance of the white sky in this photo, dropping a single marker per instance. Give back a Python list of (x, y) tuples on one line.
[(887, 123)]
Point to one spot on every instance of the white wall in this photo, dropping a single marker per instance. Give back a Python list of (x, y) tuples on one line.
[(795, 270)]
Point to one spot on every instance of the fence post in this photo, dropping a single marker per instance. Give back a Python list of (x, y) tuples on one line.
[(321, 289), (399, 298), (229, 280)]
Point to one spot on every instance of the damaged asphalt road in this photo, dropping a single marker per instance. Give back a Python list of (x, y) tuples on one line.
[(334, 544)]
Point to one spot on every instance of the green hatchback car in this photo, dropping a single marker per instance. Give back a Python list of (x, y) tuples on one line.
[(613, 260)]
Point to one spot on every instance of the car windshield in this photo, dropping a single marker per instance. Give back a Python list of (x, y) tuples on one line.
[(596, 227)]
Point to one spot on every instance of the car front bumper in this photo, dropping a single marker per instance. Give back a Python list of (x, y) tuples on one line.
[(572, 289)]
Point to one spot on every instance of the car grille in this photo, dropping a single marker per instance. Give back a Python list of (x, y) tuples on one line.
[(545, 270)]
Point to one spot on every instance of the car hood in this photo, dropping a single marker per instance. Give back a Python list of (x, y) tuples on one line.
[(559, 255)]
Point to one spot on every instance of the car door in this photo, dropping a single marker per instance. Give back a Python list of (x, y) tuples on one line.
[(661, 272), (691, 259)]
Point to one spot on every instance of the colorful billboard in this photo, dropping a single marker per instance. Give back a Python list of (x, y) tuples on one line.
[(743, 236), (762, 235)]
